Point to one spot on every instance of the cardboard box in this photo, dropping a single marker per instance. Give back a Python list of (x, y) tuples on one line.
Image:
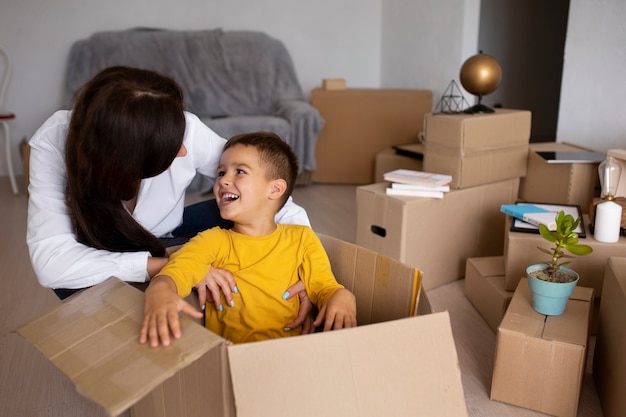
[(409, 362), (520, 251), (334, 84), (575, 183), (477, 149), (390, 159), (484, 288), (436, 236), (609, 363), (553, 349), (359, 124)]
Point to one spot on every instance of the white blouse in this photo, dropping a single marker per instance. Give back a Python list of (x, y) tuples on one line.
[(59, 260)]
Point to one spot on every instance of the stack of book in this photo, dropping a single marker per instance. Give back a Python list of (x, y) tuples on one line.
[(527, 216), (408, 182)]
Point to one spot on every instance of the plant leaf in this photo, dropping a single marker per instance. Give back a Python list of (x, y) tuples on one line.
[(579, 249), (544, 250), (547, 234)]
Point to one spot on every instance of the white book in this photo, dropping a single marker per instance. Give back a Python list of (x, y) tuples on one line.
[(415, 193), (541, 218), (408, 176), (417, 187)]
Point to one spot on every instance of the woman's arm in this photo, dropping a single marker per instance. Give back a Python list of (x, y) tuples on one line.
[(58, 259)]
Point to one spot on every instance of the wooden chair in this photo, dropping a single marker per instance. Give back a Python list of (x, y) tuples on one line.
[(6, 116)]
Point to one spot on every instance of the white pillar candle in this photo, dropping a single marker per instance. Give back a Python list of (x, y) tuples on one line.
[(608, 221)]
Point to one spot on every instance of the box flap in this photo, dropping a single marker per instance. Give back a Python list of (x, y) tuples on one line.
[(566, 328), (93, 339), (489, 266), (572, 328), (370, 276), (403, 367)]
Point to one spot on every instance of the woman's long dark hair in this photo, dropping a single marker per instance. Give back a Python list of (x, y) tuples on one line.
[(127, 124)]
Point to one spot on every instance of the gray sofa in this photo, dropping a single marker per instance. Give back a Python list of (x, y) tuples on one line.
[(235, 81)]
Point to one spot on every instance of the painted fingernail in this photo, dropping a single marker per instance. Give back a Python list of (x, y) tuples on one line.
[(221, 308), (232, 303), (287, 329), (203, 306), (286, 295), (236, 290)]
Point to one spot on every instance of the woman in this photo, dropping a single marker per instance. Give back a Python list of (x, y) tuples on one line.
[(108, 180)]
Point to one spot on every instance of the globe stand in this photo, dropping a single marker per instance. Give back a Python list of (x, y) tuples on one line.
[(480, 74), (478, 108)]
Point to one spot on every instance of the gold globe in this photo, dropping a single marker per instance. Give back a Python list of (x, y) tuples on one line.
[(481, 74)]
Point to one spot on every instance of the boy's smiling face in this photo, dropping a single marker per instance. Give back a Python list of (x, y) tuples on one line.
[(242, 190)]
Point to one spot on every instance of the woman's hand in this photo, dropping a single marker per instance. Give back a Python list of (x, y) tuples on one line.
[(161, 308), (339, 312), (217, 280), (305, 314)]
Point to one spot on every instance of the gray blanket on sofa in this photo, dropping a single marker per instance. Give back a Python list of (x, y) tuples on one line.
[(223, 73)]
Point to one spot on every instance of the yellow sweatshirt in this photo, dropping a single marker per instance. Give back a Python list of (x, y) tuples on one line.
[(263, 268)]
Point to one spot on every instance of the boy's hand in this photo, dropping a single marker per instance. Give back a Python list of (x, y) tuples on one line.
[(217, 280), (161, 308), (339, 312)]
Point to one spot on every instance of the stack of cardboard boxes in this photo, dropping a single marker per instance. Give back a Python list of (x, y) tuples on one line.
[(491, 283), (566, 183), (486, 155)]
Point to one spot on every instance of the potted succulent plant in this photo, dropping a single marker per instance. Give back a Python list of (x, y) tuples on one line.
[(551, 284)]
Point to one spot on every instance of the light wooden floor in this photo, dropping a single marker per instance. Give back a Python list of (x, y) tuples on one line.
[(32, 387)]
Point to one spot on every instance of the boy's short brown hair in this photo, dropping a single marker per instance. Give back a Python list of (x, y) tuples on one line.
[(279, 159)]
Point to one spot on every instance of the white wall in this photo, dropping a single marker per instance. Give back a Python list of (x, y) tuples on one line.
[(326, 39), (592, 109), (371, 43), (424, 43)]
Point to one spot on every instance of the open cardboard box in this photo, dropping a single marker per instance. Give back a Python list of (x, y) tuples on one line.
[(392, 361)]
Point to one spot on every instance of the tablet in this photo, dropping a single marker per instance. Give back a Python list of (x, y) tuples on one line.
[(569, 157)]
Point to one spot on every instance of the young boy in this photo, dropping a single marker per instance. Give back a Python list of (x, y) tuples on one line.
[(255, 177)]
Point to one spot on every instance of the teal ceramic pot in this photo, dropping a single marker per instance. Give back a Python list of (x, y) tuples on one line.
[(550, 298)]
